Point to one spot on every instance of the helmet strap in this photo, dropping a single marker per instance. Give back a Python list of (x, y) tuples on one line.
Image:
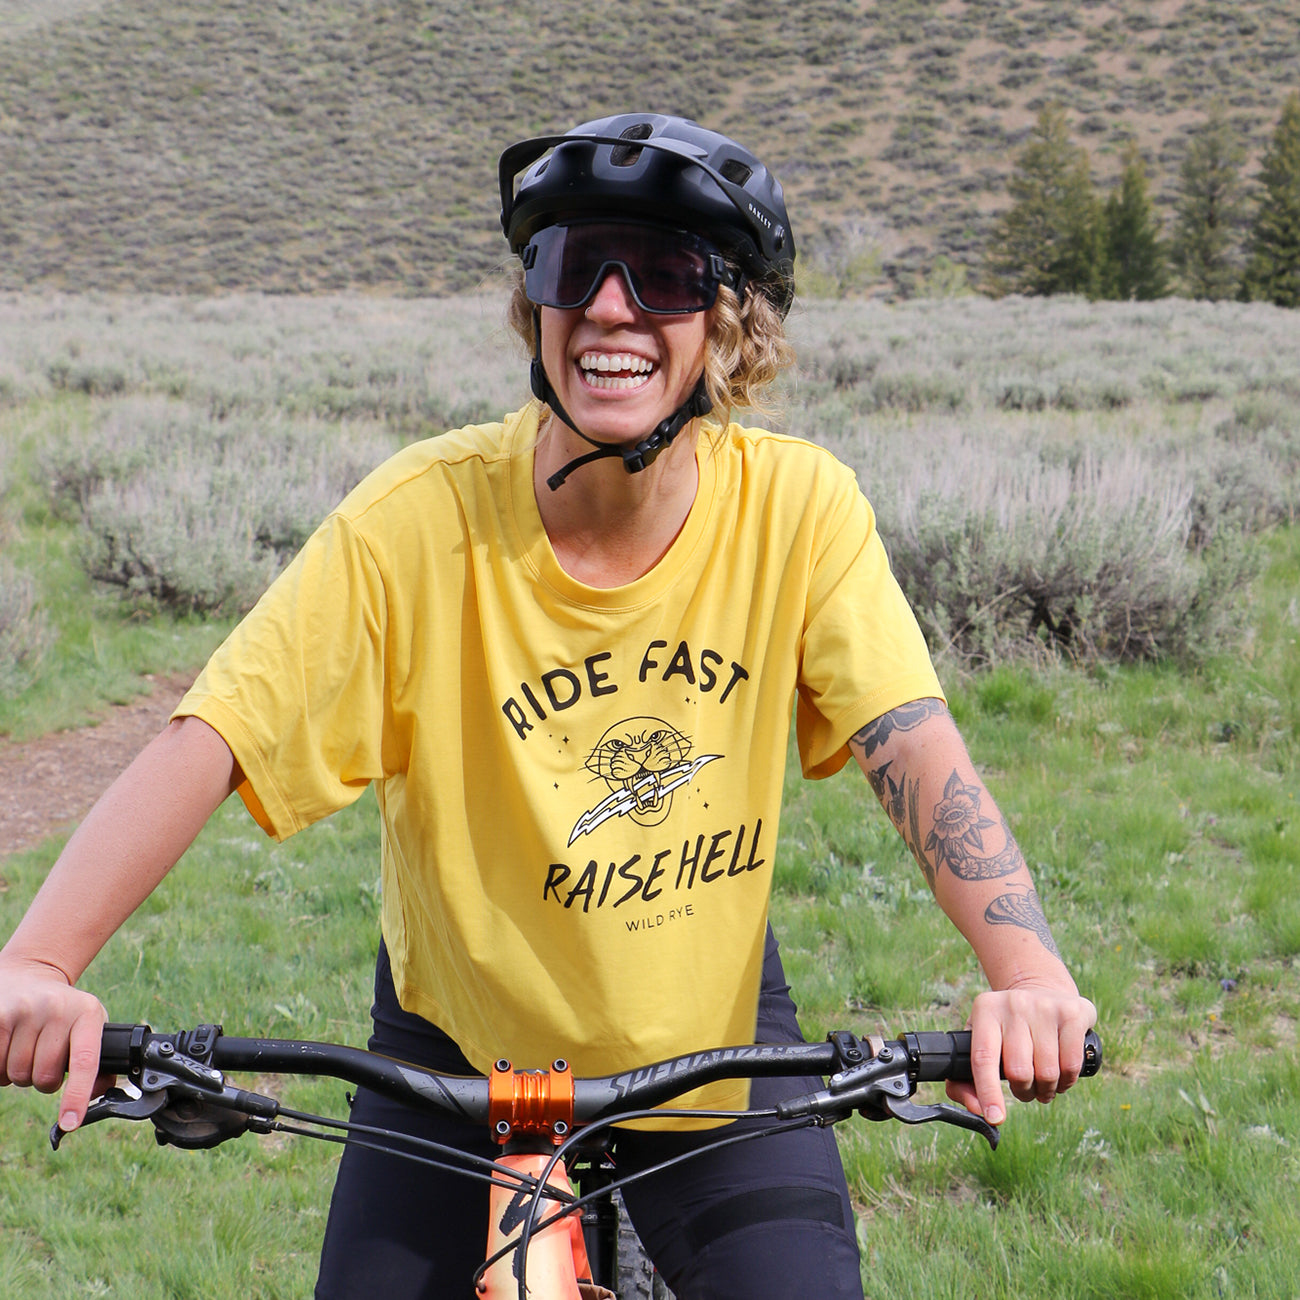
[(635, 458)]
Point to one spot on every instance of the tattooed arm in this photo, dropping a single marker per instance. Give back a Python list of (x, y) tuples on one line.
[(1033, 1021)]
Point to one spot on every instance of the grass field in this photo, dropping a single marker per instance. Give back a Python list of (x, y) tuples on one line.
[(1156, 800)]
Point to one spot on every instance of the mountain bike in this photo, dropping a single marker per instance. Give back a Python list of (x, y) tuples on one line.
[(545, 1239)]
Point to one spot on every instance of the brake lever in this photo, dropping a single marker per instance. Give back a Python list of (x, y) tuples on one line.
[(115, 1104), (910, 1113), (877, 1084), (190, 1103), (880, 1098)]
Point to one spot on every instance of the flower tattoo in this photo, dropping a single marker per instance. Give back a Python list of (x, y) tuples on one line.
[(958, 816), (957, 837)]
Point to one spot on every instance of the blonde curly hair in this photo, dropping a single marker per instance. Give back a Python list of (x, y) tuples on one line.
[(746, 348)]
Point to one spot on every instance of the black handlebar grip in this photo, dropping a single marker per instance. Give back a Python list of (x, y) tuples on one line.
[(940, 1055), (120, 1048), (1091, 1055)]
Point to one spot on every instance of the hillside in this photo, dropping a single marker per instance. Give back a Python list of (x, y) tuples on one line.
[(290, 146)]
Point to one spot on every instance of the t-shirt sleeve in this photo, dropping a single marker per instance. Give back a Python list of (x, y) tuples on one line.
[(862, 652), (298, 689)]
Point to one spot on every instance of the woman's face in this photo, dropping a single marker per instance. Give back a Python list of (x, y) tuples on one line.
[(618, 370)]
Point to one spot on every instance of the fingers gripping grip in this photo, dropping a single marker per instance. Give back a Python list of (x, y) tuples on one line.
[(941, 1055), (122, 1048)]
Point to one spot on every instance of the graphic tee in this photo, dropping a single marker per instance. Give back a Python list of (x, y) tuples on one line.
[(579, 787)]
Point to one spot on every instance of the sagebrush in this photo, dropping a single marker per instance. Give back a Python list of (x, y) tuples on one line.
[(194, 513), (1051, 477)]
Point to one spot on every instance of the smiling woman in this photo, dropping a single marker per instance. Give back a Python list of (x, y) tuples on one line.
[(674, 214), (617, 373), (565, 647)]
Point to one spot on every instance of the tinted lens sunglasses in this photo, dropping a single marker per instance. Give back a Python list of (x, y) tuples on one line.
[(669, 272)]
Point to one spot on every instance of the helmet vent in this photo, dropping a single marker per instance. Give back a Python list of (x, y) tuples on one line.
[(736, 171), (622, 155)]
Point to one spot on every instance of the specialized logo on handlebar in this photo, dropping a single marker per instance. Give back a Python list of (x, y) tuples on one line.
[(691, 1065)]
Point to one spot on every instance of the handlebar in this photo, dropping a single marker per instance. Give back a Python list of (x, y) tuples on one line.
[(184, 1091), (180, 1086)]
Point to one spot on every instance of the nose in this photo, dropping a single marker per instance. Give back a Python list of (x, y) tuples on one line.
[(613, 298)]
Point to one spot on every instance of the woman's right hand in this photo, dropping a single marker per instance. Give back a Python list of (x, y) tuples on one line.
[(49, 1029)]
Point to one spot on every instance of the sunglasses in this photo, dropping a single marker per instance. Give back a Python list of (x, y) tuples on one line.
[(669, 272)]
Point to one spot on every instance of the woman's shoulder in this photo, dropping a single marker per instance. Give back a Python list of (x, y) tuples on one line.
[(456, 461), (758, 453)]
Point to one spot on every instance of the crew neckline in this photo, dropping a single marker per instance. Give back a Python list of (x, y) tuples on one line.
[(537, 551)]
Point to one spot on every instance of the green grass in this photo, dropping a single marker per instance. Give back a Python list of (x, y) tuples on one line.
[(1156, 804), (265, 940), (1167, 857)]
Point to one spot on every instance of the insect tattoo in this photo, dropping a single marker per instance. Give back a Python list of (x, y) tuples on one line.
[(1025, 911)]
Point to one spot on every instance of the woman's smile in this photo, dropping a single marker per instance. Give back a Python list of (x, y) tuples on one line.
[(618, 370)]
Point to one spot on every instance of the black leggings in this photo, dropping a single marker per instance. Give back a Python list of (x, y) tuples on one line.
[(762, 1220)]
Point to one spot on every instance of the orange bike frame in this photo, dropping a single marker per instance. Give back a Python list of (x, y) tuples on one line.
[(535, 1105)]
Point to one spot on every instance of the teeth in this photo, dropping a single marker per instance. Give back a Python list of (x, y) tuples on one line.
[(612, 370), (620, 363)]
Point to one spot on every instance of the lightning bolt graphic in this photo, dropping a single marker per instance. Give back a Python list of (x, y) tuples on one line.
[(621, 802)]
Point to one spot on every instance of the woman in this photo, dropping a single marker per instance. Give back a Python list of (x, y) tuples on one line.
[(565, 648)]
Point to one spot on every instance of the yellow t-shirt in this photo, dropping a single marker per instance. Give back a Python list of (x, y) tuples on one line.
[(579, 787)]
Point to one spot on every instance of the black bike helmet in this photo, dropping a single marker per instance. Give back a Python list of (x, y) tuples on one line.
[(656, 168)]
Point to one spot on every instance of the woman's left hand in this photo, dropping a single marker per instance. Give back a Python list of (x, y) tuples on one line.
[(1033, 1035)]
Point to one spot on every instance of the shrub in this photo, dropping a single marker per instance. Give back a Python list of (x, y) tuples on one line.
[(1019, 551), (191, 547), (10, 385), (843, 259), (1064, 558), (25, 633), (70, 376), (1066, 393), (913, 392), (191, 513), (1247, 477), (74, 471)]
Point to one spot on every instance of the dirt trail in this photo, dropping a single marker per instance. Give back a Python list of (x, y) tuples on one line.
[(47, 785)]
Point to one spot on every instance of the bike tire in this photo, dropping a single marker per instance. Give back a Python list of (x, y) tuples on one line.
[(637, 1276)]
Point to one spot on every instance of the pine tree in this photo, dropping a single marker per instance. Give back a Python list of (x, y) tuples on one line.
[(1049, 240), (1133, 264), (1273, 268), (1209, 211)]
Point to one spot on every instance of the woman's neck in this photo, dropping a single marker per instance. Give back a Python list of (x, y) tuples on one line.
[(608, 527)]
